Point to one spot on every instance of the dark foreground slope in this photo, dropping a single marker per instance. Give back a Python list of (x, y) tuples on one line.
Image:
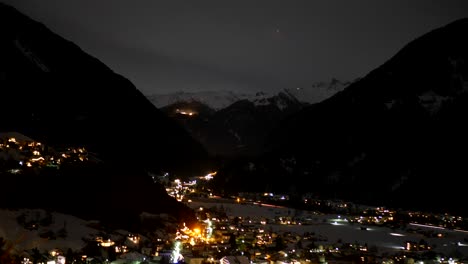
[(396, 136), (57, 94)]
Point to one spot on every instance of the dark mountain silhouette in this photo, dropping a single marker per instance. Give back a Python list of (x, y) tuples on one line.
[(57, 94), (397, 136), (239, 129)]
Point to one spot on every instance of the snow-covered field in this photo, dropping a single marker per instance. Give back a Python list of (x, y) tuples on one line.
[(331, 227), (334, 228)]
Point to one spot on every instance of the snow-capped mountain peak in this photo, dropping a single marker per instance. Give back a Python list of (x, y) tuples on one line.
[(214, 99), (218, 100)]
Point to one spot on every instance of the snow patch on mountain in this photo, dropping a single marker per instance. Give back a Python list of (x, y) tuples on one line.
[(432, 101), (260, 98), (28, 53), (390, 104), (318, 91), (281, 104)]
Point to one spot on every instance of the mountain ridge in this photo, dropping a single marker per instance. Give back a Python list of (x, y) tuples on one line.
[(218, 100), (59, 95), (233, 124), (238, 129)]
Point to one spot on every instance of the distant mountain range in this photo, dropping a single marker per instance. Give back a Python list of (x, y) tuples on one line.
[(397, 136), (237, 124), (55, 93), (238, 129), (218, 100)]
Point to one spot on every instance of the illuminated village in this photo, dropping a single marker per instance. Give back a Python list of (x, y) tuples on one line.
[(225, 238), (19, 153), (269, 232)]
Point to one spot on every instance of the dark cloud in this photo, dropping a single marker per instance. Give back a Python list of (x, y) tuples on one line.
[(244, 44)]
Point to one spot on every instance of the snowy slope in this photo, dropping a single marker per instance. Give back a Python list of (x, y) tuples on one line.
[(319, 91), (24, 239), (218, 100)]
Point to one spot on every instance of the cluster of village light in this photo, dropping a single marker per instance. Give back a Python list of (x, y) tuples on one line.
[(178, 189), (187, 112), (31, 154)]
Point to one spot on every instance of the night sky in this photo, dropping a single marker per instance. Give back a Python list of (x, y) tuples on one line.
[(247, 45)]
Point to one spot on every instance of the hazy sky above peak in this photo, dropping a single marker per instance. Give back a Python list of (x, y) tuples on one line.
[(247, 45)]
